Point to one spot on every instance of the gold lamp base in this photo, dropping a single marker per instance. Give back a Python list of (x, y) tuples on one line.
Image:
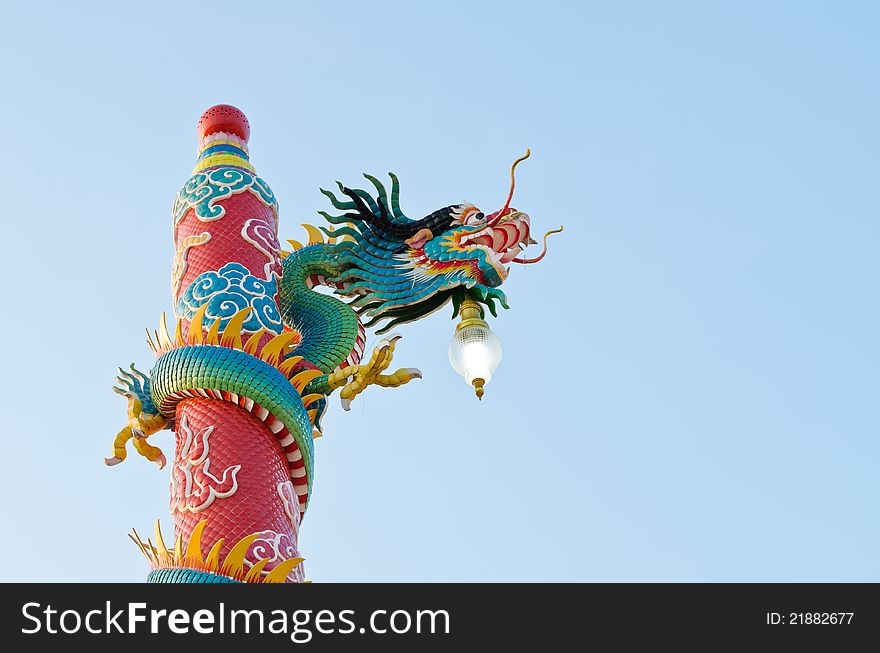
[(478, 388)]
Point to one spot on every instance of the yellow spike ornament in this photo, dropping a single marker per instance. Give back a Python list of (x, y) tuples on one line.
[(236, 565)]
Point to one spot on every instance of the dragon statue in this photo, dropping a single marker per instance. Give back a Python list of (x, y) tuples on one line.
[(256, 350)]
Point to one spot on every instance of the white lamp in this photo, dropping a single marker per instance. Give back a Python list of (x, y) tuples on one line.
[(474, 351)]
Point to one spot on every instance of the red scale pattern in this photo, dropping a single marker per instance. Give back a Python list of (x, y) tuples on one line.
[(226, 244), (238, 438)]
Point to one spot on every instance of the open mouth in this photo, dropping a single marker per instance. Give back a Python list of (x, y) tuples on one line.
[(502, 242)]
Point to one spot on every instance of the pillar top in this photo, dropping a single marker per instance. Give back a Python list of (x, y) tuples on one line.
[(224, 118)]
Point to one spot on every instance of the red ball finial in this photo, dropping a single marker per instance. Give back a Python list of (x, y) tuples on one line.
[(224, 118)]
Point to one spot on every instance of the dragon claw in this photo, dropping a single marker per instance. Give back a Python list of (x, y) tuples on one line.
[(389, 341), (356, 378), (151, 453), (144, 419)]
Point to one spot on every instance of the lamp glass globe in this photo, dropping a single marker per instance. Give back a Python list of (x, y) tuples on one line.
[(475, 353)]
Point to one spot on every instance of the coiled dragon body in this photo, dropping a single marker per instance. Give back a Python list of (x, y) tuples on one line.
[(273, 346)]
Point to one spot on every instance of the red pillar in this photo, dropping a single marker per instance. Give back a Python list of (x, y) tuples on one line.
[(229, 469)]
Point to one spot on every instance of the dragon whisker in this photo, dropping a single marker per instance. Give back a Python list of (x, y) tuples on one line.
[(527, 261)]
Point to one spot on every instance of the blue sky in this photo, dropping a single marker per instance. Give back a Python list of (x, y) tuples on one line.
[(689, 388)]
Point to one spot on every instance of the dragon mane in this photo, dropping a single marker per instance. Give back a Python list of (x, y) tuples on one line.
[(381, 281)]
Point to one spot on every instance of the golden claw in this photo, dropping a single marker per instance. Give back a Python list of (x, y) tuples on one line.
[(356, 378), (148, 451), (400, 377), (138, 429)]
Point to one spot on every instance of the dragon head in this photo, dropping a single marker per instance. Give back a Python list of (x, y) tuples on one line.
[(480, 247), (398, 269)]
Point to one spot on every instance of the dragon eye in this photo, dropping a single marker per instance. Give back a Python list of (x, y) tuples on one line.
[(475, 218)]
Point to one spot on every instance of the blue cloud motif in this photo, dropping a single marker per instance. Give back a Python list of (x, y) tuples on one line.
[(204, 189), (228, 290)]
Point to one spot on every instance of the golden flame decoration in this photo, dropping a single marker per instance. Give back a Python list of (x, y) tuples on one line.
[(317, 238), (275, 351), (161, 557)]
